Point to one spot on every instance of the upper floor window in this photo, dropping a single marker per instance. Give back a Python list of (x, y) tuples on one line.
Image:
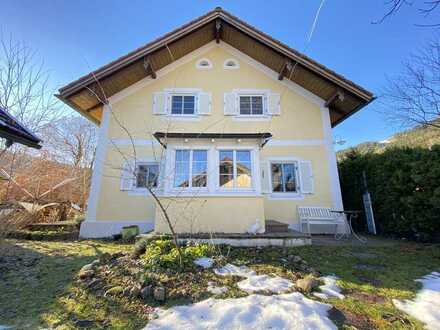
[(191, 168), (147, 175), (251, 105), (183, 104)]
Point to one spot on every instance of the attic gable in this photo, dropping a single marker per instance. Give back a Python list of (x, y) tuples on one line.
[(88, 93)]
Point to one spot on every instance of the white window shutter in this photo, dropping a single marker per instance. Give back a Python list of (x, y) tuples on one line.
[(274, 104), (230, 104), (162, 170), (127, 176), (160, 103), (204, 107), (306, 177), (265, 177)]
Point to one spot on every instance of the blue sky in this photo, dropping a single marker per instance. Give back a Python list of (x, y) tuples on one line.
[(73, 37)]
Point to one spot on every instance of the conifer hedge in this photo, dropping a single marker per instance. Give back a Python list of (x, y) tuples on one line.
[(404, 184)]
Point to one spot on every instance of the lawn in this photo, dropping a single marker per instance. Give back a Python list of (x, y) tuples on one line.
[(39, 287)]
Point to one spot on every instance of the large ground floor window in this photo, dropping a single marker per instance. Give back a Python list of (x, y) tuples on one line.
[(235, 169), (218, 170), (191, 168)]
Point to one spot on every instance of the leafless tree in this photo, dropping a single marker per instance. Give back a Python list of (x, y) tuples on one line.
[(24, 86), (71, 139), (102, 98), (425, 8), (25, 93), (413, 97)]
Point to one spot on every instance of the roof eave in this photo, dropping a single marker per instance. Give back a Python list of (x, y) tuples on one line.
[(77, 108), (351, 113)]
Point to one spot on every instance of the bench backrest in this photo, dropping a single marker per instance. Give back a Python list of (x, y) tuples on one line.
[(314, 212)]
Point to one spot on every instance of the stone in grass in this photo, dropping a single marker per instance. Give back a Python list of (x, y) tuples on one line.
[(87, 267), (147, 292), (307, 284), (294, 259), (114, 291), (159, 293), (85, 273), (84, 323)]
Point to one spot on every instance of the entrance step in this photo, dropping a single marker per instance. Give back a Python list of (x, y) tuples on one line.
[(273, 226)]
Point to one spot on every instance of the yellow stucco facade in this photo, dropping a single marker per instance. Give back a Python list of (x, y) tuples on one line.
[(300, 133)]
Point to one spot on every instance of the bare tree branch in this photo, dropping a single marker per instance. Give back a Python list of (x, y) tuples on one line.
[(425, 9), (413, 97)]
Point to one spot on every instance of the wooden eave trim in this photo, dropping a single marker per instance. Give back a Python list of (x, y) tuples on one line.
[(69, 90), (180, 32), (348, 114), (78, 109)]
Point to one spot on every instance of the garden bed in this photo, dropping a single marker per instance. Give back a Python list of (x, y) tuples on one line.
[(42, 284)]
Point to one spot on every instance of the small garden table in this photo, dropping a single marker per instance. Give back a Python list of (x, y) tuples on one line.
[(350, 216)]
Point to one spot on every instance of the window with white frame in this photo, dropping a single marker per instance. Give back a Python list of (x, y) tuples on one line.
[(191, 168), (235, 169), (251, 105), (147, 175), (284, 177), (183, 104)]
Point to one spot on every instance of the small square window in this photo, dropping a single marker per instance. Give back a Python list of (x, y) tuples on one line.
[(251, 105), (147, 175), (183, 104), (284, 177)]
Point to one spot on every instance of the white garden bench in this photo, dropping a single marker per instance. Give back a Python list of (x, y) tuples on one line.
[(310, 215)]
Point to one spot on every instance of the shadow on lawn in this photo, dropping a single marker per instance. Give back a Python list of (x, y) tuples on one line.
[(36, 278), (393, 268)]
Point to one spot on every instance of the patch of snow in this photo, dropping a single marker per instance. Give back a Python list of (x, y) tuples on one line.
[(216, 289), (330, 289), (254, 282), (274, 284), (426, 305), (287, 311), (232, 270), (204, 262)]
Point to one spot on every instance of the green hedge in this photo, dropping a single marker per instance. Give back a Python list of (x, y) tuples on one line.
[(404, 184)]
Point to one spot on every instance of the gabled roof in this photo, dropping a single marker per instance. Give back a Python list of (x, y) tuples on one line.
[(14, 132), (342, 96)]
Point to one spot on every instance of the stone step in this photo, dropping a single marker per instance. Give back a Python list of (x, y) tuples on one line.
[(273, 226)]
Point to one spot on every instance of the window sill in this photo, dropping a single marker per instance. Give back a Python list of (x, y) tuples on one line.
[(142, 192), (183, 117), (252, 118), (205, 194), (188, 191), (284, 196)]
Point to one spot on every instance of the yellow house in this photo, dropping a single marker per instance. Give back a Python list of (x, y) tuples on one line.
[(217, 123)]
